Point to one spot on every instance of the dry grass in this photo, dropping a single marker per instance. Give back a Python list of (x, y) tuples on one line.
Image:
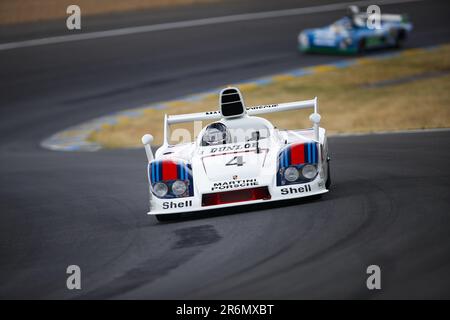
[(345, 102), (20, 11)]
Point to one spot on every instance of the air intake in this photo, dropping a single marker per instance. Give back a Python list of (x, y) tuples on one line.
[(231, 103), (259, 193)]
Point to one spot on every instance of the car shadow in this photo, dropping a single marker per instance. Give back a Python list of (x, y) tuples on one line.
[(240, 209)]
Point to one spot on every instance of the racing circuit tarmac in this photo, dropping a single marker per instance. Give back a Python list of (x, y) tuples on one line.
[(389, 204)]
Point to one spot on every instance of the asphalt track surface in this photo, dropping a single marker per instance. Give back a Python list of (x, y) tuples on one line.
[(389, 203)]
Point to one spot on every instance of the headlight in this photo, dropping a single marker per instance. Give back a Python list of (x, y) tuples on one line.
[(304, 42), (179, 187), (160, 189), (309, 171), (291, 174)]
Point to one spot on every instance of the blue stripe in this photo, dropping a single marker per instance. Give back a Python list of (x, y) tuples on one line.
[(309, 152), (285, 154), (157, 171), (152, 165)]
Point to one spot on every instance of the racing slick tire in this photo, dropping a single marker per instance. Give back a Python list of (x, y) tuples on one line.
[(400, 38), (328, 183), (362, 46), (167, 217)]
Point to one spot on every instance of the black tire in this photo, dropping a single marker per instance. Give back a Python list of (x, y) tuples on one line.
[(167, 217), (400, 38), (362, 46), (328, 183)]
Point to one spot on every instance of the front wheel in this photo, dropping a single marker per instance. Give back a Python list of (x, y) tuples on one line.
[(400, 38), (167, 217)]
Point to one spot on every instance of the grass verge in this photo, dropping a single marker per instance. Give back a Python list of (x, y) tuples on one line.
[(411, 91)]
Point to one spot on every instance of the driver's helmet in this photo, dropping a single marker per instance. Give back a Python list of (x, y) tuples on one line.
[(352, 10), (345, 23), (352, 13), (216, 133)]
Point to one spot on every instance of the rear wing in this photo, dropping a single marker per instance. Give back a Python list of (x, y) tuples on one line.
[(256, 110), (385, 17)]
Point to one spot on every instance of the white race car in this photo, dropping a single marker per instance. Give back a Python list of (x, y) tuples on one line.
[(238, 159)]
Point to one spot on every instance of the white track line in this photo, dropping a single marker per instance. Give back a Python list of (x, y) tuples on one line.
[(193, 23)]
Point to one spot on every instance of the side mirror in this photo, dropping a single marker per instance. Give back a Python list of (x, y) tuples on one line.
[(315, 119), (147, 140)]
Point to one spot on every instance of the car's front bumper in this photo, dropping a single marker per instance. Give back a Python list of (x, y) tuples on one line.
[(193, 204)]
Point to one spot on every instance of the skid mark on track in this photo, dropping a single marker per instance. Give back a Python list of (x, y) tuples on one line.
[(143, 274), (196, 236), (376, 214), (189, 239)]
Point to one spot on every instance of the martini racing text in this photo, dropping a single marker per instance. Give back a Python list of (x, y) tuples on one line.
[(226, 185)]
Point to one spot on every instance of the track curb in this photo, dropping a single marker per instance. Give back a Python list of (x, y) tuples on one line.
[(75, 138)]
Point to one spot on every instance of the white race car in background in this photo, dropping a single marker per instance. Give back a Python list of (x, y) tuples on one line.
[(238, 159)]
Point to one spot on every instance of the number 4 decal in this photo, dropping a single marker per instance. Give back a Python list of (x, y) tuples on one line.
[(236, 161)]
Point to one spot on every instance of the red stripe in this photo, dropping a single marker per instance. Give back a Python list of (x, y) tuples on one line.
[(298, 154), (169, 170)]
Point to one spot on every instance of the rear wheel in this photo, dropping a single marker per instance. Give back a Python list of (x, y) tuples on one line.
[(167, 217), (400, 38), (328, 183), (362, 46)]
